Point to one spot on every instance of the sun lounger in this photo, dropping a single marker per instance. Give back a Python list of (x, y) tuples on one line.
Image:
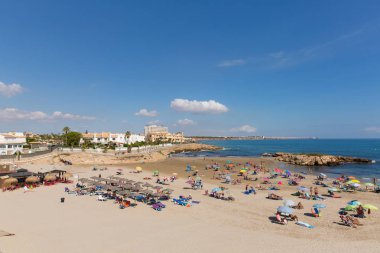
[(304, 224), (101, 198)]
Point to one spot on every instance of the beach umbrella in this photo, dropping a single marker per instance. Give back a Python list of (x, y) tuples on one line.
[(50, 177), (354, 203), (228, 161), (156, 172), (289, 202), (333, 189), (32, 179), (285, 209), (369, 184), (147, 185), (323, 175), (369, 206), (319, 206), (243, 171), (278, 170), (279, 182), (356, 185), (350, 208), (67, 175), (139, 169), (217, 189), (303, 188), (352, 177), (354, 181)]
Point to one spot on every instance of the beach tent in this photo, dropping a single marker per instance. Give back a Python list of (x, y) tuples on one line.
[(156, 173), (139, 169)]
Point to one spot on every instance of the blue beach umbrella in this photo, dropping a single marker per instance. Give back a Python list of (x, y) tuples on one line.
[(217, 189), (303, 188), (319, 206), (354, 203), (285, 209)]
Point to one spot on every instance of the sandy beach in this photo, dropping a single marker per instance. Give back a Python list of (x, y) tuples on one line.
[(82, 224)]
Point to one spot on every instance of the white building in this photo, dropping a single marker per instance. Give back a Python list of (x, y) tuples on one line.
[(11, 143), (117, 138), (135, 138), (155, 129)]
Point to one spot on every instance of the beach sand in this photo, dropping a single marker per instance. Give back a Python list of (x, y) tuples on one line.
[(42, 224)]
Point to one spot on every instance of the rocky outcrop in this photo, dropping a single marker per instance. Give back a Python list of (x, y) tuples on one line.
[(316, 159)]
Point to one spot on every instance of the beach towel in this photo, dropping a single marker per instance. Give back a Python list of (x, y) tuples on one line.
[(304, 224)]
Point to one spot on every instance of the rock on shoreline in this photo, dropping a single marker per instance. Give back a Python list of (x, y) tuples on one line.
[(316, 159)]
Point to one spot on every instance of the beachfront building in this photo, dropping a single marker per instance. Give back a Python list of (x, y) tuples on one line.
[(12, 143), (154, 133), (117, 138), (155, 129)]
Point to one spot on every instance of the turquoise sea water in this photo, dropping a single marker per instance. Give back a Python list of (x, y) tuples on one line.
[(364, 148)]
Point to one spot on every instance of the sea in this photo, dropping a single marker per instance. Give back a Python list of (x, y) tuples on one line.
[(363, 148)]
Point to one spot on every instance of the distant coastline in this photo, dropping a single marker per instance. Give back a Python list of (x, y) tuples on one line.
[(203, 138)]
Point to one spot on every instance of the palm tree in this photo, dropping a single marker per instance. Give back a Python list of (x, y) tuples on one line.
[(66, 130)]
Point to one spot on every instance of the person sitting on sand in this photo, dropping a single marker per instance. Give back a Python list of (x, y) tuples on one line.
[(298, 206), (293, 217), (360, 212), (280, 219), (316, 191)]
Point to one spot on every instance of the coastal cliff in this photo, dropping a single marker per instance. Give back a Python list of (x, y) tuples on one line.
[(316, 159)]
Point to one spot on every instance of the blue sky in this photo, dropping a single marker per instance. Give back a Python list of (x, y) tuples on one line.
[(274, 68)]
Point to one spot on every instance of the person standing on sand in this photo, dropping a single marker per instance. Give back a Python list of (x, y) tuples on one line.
[(25, 189)]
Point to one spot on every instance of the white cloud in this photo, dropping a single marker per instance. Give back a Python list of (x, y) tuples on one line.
[(373, 129), (194, 106), (17, 114), (244, 129), (10, 90), (186, 122), (146, 113), (61, 115), (232, 63)]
